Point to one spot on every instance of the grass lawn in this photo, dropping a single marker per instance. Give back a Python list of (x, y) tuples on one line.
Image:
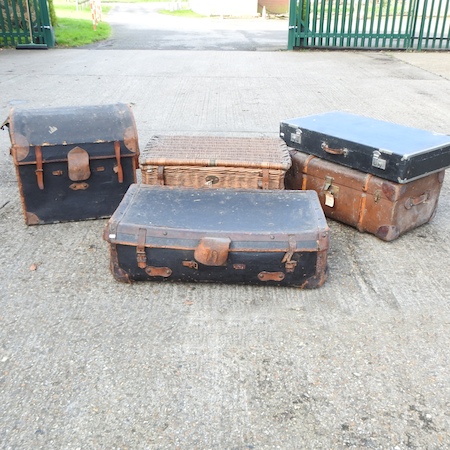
[(75, 28), (74, 25), (137, 1), (180, 13)]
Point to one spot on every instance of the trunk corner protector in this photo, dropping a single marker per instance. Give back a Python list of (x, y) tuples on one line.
[(118, 273), (323, 241)]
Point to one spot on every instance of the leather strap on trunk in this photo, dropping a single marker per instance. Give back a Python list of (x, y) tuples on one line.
[(140, 248), (39, 168), (119, 165), (287, 258), (305, 171), (362, 208)]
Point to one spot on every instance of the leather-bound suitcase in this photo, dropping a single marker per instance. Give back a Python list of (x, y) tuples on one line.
[(73, 163), (364, 201), (387, 150), (215, 161), (261, 237)]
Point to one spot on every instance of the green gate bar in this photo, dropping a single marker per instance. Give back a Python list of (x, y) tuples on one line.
[(15, 25), (380, 24), (13, 22)]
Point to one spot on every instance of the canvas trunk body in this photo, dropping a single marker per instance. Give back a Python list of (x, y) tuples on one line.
[(386, 150), (264, 237), (73, 163), (215, 161), (368, 203)]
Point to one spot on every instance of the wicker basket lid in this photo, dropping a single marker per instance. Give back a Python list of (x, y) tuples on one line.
[(217, 151)]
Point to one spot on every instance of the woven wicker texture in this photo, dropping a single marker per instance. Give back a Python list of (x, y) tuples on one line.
[(222, 162)]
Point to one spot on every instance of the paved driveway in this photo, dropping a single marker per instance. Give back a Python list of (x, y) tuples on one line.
[(140, 26), (90, 363)]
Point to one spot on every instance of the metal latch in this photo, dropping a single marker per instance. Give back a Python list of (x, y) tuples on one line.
[(290, 264), (297, 136), (330, 191), (377, 161), (210, 180), (328, 183)]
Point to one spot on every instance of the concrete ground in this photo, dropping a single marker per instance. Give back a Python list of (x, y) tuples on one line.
[(140, 26), (89, 363)]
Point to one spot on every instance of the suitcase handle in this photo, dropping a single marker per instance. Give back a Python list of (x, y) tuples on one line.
[(414, 201), (334, 151)]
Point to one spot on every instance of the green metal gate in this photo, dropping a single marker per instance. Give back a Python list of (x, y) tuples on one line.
[(25, 22), (382, 24)]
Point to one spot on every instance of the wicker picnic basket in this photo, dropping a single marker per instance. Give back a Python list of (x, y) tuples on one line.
[(213, 161)]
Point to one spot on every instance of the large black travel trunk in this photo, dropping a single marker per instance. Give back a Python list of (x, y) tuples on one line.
[(266, 237), (73, 163), (387, 150)]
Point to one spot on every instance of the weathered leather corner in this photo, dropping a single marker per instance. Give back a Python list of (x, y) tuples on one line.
[(32, 219), (20, 148), (130, 140)]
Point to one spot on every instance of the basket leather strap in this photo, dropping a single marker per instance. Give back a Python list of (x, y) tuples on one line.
[(119, 165), (160, 175), (39, 168), (265, 176)]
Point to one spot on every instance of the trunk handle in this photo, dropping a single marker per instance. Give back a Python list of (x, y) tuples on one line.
[(334, 151), (414, 201)]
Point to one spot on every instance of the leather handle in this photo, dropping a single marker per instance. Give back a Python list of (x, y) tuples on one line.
[(158, 271), (334, 151), (271, 276), (414, 201)]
